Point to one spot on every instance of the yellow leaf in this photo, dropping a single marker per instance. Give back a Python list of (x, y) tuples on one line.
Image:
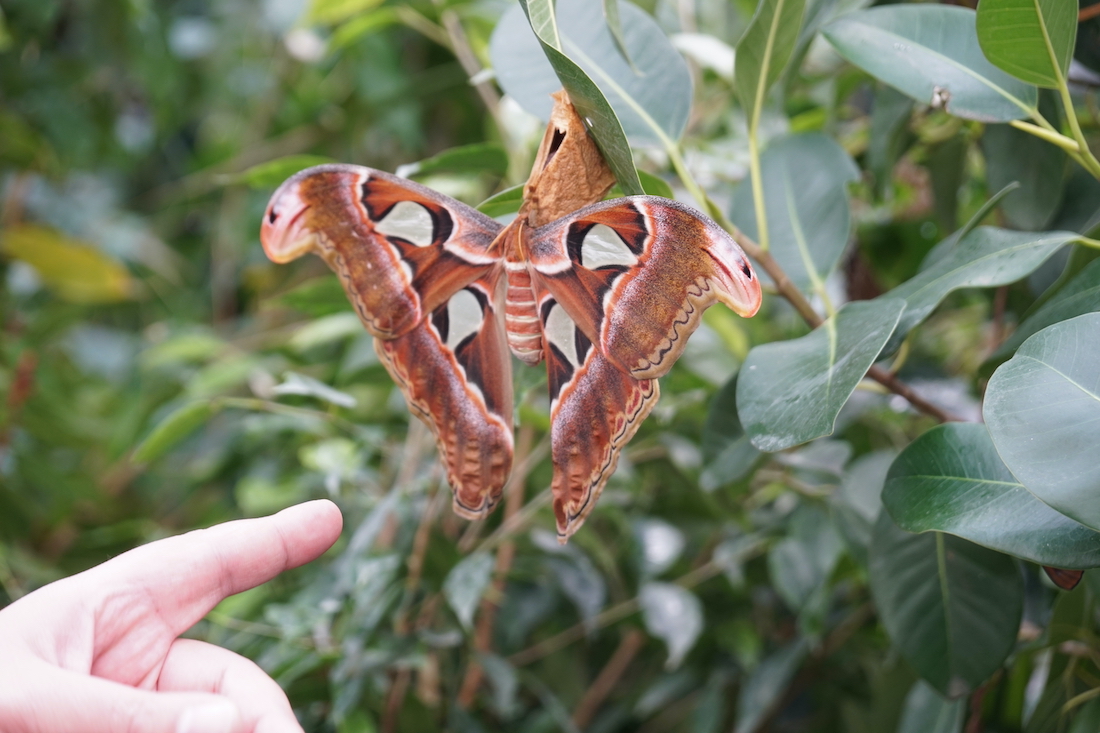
[(334, 11), (75, 270)]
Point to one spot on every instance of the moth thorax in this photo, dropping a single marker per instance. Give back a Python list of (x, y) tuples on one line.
[(521, 317)]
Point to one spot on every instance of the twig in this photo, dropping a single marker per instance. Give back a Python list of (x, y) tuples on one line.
[(795, 297), (416, 557), (619, 611), (1092, 11), (460, 45), (632, 643), (396, 700), (483, 635)]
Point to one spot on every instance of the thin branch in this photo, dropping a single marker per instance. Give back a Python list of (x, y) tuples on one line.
[(483, 636), (396, 699), (1092, 11), (460, 45), (632, 643), (794, 296)]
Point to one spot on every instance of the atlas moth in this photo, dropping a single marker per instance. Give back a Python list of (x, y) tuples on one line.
[(606, 292)]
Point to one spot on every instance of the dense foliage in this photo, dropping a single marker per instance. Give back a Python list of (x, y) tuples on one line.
[(834, 520)]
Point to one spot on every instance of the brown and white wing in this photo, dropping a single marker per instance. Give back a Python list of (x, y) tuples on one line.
[(419, 270), (456, 372), (399, 248), (595, 409), (636, 274)]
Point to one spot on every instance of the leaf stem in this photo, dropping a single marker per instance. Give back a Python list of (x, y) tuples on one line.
[(1065, 143)]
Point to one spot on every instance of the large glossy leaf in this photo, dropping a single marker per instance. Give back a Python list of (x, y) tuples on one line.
[(951, 479), (790, 392), (805, 180), (986, 257), (765, 49), (927, 711), (1039, 167), (1042, 407), (931, 53), (1030, 39), (652, 103), (1079, 296), (952, 608), (476, 158)]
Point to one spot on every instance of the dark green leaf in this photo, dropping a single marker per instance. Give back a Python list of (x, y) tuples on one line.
[(858, 501), (1081, 204), (175, 427), (790, 392), (1013, 155), (801, 563), (726, 447), (466, 583), (320, 296), (765, 49), (805, 180), (476, 158), (952, 480), (931, 53), (1030, 39), (889, 133), (765, 686), (615, 27), (1042, 407), (986, 257), (952, 608), (927, 711)]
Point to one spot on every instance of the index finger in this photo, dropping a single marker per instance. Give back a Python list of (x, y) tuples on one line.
[(187, 575)]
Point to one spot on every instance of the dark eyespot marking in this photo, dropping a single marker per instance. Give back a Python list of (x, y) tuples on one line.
[(272, 216), (747, 270)]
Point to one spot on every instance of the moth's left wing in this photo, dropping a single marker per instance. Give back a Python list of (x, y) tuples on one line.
[(595, 409), (636, 274), (456, 372)]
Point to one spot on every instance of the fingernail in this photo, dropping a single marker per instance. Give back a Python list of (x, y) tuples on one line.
[(214, 717)]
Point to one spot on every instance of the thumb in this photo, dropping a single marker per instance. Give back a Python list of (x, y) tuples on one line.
[(72, 701)]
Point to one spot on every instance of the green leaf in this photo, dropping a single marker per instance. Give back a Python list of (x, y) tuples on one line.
[(889, 133), (805, 180), (476, 158), (790, 392), (1042, 407), (466, 584), (361, 26), (75, 270), (652, 103), (506, 202), (1030, 39), (986, 257), (952, 608), (927, 711), (655, 186), (951, 480), (726, 447), (1081, 203), (931, 53), (317, 297), (180, 423), (1014, 155), (273, 172), (615, 27), (766, 684), (674, 615), (334, 11), (765, 49), (857, 503), (801, 563), (1079, 296)]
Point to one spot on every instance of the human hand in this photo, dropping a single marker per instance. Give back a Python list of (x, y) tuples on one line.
[(99, 653)]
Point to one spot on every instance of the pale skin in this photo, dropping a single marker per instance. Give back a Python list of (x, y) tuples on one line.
[(100, 652)]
